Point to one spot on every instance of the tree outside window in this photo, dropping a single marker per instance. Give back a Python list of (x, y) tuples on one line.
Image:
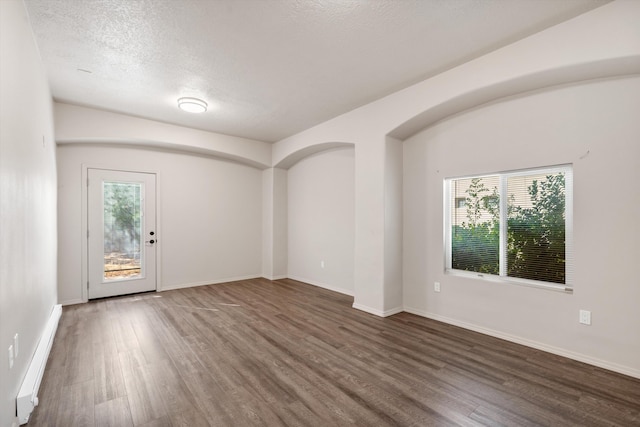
[(532, 245)]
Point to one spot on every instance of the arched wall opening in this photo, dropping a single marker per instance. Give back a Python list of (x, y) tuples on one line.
[(529, 82), (320, 215), (209, 214), (591, 125)]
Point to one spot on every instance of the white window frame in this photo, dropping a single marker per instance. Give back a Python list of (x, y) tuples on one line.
[(502, 277)]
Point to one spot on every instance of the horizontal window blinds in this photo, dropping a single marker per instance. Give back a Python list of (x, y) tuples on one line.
[(513, 224)]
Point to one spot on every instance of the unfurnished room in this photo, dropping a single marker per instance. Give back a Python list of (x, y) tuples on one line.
[(319, 213)]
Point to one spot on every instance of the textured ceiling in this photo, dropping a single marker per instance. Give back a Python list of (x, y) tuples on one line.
[(267, 68)]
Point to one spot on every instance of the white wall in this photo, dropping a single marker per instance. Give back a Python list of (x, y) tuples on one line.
[(274, 223), (595, 127), (393, 226), (321, 220), (210, 215), (27, 200)]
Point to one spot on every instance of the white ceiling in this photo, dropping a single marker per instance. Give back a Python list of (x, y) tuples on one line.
[(267, 68)]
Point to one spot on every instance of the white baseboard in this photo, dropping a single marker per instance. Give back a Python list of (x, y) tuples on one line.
[(28, 395), (530, 343), (321, 285), (275, 277), (375, 311), (208, 282)]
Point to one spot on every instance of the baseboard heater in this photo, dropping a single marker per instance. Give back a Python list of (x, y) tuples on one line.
[(28, 395)]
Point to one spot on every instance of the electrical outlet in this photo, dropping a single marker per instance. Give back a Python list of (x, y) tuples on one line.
[(585, 317), (10, 356), (436, 286), (16, 348), (321, 264)]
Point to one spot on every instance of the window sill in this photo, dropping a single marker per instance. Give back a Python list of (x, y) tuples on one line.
[(510, 281)]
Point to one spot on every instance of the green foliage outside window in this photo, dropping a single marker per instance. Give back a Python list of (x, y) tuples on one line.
[(535, 232), (475, 245), (536, 235)]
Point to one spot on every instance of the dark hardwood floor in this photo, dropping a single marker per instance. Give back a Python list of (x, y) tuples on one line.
[(268, 353)]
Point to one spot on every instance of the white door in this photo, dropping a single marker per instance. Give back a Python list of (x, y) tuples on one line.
[(121, 232)]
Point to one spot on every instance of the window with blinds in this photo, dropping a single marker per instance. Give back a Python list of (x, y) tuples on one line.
[(514, 225)]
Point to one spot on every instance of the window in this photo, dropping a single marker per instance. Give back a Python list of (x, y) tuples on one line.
[(514, 225)]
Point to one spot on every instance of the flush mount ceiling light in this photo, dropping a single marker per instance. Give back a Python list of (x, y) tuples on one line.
[(192, 105)]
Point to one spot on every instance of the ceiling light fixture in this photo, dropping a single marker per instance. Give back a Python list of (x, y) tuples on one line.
[(192, 105)]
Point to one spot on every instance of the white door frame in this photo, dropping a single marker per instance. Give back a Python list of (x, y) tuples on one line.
[(84, 284)]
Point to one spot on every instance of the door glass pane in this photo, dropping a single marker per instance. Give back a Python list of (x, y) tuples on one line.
[(122, 230)]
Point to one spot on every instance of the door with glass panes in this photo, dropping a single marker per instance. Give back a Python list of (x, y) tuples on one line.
[(122, 236)]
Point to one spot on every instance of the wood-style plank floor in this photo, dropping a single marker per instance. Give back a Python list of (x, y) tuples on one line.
[(267, 353)]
